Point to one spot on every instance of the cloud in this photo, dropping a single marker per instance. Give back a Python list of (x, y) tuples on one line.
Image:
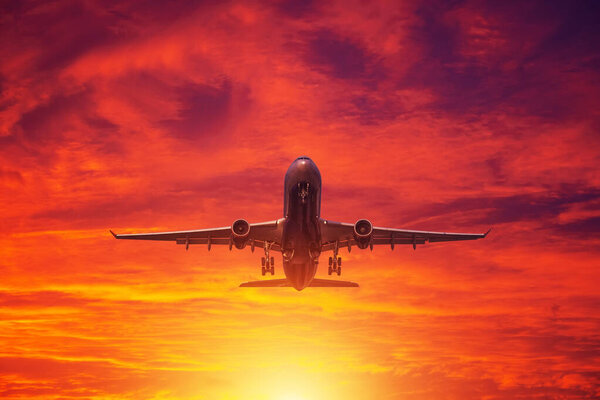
[(296, 9), (542, 206), (206, 110), (49, 121), (588, 226), (477, 63), (11, 176), (439, 116), (39, 299), (341, 58)]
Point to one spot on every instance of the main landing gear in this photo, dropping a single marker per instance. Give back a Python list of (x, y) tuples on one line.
[(335, 265), (268, 263), (335, 262)]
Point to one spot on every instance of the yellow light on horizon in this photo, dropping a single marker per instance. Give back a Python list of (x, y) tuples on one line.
[(291, 396)]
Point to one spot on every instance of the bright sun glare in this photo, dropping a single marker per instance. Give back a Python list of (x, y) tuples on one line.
[(291, 396)]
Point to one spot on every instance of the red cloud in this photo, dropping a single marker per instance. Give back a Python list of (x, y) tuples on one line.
[(449, 117)]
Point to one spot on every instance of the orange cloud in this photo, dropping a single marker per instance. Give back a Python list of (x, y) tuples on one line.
[(180, 116)]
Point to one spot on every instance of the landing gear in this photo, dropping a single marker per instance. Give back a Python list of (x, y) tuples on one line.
[(335, 262), (268, 263), (268, 266), (303, 191), (334, 267)]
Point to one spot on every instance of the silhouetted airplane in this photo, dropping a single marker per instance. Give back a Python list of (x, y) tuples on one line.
[(301, 235)]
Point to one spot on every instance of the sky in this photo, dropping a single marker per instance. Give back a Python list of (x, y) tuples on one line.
[(432, 115)]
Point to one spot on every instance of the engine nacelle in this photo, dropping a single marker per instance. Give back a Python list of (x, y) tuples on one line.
[(240, 232), (363, 230)]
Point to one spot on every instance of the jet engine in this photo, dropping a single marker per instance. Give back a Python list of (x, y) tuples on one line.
[(240, 232), (363, 230)]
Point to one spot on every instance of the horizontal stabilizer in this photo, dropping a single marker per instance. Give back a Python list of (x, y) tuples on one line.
[(285, 283), (268, 283), (331, 283)]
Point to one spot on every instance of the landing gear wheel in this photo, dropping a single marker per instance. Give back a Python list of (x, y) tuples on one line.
[(339, 261), (263, 270), (330, 261), (339, 271), (272, 260), (272, 270), (263, 261), (329, 271)]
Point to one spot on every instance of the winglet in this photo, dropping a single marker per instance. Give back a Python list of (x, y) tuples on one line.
[(485, 234), (112, 233)]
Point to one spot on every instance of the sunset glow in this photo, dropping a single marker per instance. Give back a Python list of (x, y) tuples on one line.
[(141, 117)]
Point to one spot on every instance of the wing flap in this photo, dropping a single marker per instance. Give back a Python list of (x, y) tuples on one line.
[(201, 240), (379, 240), (225, 241)]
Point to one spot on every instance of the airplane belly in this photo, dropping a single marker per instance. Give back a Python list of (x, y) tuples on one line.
[(300, 275), (300, 253)]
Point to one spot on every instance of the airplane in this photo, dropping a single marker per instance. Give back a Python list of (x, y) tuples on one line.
[(302, 235)]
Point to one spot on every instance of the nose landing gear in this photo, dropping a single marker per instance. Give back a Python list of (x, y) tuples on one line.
[(303, 191), (268, 263)]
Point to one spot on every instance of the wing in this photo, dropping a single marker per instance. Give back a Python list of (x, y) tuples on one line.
[(260, 234), (342, 235)]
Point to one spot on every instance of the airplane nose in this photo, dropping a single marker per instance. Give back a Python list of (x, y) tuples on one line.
[(306, 170)]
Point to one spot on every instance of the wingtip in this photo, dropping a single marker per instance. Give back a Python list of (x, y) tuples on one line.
[(485, 234), (112, 233)]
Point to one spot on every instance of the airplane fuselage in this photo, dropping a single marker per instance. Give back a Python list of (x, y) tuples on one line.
[(301, 237)]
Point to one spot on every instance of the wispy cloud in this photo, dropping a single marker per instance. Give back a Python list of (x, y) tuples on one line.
[(440, 116)]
